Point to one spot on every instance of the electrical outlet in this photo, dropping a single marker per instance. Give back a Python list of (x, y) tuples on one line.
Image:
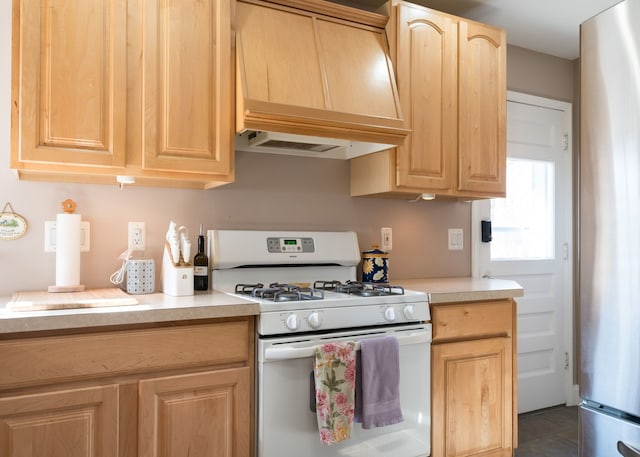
[(456, 237), (136, 239), (385, 233)]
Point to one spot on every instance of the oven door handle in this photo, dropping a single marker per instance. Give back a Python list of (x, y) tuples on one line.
[(289, 352)]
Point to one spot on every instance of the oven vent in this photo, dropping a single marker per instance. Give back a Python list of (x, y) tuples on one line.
[(266, 140), (303, 145)]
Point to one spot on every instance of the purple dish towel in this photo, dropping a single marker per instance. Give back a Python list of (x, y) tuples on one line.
[(377, 401)]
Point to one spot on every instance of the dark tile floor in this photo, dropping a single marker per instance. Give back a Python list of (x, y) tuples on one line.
[(551, 432)]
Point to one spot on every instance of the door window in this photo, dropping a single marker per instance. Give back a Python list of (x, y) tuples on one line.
[(523, 224)]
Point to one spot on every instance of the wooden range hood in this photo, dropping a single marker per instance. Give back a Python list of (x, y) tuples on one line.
[(312, 68)]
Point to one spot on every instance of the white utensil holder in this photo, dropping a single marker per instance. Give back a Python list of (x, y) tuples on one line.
[(176, 280)]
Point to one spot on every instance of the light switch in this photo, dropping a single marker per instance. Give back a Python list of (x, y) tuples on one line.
[(456, 237), (50, 236)]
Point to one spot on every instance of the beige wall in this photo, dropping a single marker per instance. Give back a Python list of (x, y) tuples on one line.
[(270, 192), (534, 73)]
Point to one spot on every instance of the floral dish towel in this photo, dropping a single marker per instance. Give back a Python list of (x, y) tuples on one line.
[(335, 381)]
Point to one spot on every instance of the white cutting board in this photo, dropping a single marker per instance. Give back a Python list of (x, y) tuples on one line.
[(94, 298)]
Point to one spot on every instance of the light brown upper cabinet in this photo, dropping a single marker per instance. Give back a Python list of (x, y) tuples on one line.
[(69, 83), (451, 76), (187, 82), (303, 71), (102, 88)]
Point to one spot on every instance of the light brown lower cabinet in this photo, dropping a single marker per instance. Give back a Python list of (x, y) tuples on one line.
[(474, 394), (147, 392), (197, 412), (72, 423)]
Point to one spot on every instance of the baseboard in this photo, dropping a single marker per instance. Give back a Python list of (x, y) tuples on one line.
[(573, 395)]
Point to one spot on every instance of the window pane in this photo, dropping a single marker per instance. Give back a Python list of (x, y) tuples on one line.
[(522, 223)]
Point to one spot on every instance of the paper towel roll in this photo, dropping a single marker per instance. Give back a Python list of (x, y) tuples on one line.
[(67, 250)]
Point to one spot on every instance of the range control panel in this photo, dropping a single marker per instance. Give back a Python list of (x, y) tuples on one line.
[(279, 245)]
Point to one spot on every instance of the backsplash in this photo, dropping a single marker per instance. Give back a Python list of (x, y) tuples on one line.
[(270, 192)]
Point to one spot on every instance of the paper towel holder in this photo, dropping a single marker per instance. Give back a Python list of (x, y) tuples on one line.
[(68, 206)]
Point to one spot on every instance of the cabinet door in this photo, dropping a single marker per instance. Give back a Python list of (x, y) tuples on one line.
[(426, 72), (187, 86), (472, 398), (70, 423), (200, 415), (482, 110), (69, 83)]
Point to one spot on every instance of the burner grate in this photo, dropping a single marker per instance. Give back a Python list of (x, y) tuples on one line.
[(278, 292), (299, 292), (367, 289)]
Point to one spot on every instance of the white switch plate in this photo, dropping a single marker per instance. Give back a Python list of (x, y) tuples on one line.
[(387, 240), (456, 237), (50, 236)]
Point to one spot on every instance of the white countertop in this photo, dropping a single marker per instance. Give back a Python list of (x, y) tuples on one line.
[(448, 290), (159, 307), (151, 308)]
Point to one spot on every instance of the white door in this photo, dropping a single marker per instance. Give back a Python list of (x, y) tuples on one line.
[(532, 244)]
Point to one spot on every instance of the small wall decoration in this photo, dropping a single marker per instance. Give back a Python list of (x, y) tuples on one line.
[(12, 225)]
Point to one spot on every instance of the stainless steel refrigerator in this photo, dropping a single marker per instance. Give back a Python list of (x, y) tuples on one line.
[(610, 233)]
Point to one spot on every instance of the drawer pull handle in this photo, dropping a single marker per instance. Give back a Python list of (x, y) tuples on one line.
[(627, 451)]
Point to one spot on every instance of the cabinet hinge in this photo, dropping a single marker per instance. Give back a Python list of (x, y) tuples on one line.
[(566, 360), (566, 141)]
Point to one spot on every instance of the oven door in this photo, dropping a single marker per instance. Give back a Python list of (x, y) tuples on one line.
[(288, 427)]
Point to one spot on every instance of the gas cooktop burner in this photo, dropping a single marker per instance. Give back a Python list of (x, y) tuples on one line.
[(360, 289), (280, 292)]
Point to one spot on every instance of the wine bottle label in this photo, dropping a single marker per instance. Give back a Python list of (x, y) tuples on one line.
[(200, 271)]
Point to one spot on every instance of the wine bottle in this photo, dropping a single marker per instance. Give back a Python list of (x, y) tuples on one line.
[(200, 266)]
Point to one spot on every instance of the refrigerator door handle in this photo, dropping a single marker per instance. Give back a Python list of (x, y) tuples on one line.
[(627, 451)]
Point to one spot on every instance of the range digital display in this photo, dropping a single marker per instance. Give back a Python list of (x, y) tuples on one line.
[(290, 242)]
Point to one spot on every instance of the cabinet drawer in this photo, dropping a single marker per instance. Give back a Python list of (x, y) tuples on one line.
[(61, 358), (472, 319)]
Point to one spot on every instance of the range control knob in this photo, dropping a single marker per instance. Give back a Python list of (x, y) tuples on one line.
[(390, 314), (408, 312), (315, 320), (292, 322)]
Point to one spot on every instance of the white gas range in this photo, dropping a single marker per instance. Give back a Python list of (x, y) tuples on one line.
[(306, 281), (305, 284)]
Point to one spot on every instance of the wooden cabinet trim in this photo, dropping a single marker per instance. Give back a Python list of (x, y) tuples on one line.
[(334, 10)]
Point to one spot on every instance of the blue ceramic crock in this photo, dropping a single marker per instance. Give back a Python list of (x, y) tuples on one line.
[(375, 265)]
